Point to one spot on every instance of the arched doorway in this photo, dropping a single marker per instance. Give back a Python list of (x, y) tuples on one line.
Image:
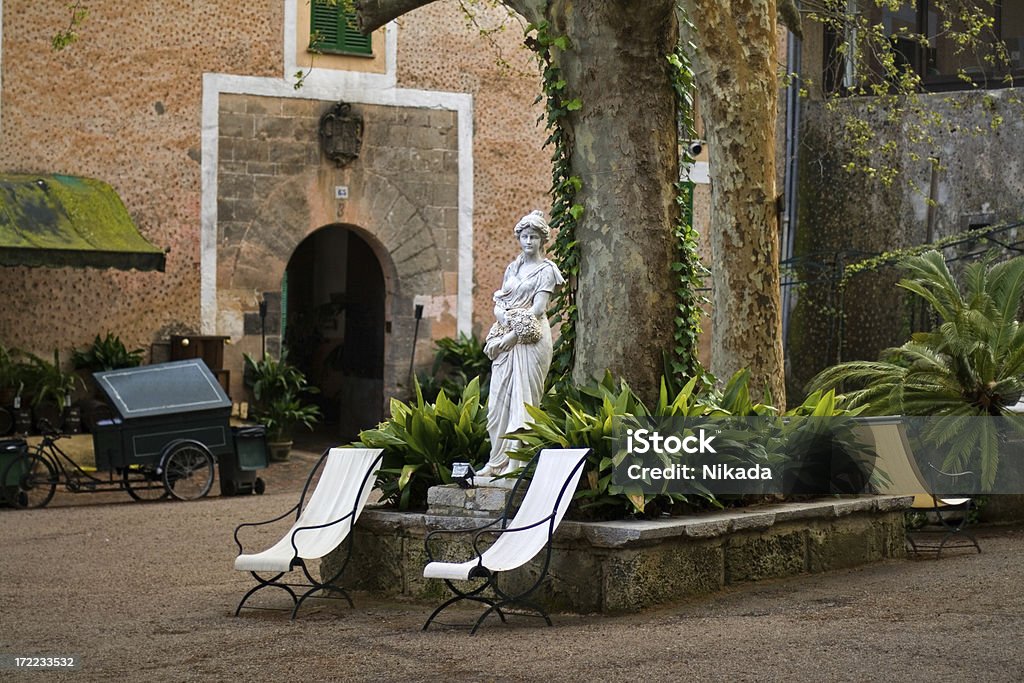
[(333, 300)]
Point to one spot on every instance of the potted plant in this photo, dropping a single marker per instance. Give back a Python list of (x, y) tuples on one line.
[(53, 389), (12, 382), (278, 389), (969, 365), (105, 353)]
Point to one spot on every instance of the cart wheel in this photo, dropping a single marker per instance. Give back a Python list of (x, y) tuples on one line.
[(259, 486), (188, 470), (143, 484), (228, 488), (36, 479)]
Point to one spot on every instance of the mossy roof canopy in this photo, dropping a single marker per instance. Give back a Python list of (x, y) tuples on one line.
[(61, 220)]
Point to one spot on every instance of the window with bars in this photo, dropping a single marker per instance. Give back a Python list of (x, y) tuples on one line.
[(333, 30)]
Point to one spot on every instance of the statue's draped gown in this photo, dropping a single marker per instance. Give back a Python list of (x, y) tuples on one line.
[(517, 376)]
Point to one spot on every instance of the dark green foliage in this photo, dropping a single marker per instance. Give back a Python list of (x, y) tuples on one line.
[(422, 440), (12, 370), (970, 364), (278, 390), (593, 415), (49, 382), (565, 210), (456, 362), (687, 266), (107, 353)]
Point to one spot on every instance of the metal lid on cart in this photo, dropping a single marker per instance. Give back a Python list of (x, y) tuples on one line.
[(184, 386)]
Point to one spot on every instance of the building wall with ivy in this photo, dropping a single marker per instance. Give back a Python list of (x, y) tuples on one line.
[(969, 174)]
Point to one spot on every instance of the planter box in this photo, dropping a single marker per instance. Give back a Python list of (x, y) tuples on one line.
[(627, 565)]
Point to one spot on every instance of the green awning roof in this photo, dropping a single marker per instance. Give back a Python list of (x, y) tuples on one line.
[(60, 220)]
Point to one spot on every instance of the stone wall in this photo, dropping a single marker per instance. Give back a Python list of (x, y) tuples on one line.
[(980, 180), (628, 565), (276, 187), (125, 104)]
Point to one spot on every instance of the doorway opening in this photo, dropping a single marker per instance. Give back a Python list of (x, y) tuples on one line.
[(333, 299)]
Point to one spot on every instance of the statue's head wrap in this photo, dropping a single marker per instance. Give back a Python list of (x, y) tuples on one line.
[(535, 220)]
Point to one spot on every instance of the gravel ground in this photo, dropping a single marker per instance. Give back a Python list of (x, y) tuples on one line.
[(147, 591)]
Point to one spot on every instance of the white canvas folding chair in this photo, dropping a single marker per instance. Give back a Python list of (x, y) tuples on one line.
[(556, 472), (321, 525), (897, 463)]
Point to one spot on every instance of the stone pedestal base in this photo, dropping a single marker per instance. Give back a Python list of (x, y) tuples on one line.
[(487, 499)]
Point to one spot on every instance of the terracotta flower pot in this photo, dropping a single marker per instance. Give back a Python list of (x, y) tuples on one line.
[(279, 450)]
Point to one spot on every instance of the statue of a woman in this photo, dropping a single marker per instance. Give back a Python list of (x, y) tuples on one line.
[(519, 343)]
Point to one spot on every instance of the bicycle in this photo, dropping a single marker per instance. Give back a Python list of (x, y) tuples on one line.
[(31, 479)]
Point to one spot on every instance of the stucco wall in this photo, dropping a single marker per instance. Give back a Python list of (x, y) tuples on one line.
[(124, 104), (512, 171), (120, 105)]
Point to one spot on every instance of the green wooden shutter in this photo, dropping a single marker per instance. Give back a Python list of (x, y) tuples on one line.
[(333, 30), (354, 40)]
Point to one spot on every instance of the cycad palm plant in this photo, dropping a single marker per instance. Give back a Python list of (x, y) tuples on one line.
[(970, 365)]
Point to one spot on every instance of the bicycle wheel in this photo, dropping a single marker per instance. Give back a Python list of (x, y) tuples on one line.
[(143, 484), (188, 471), (36, 479)]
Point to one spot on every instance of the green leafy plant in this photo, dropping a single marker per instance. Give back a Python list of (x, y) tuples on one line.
[(456, 362), (106, 353), (971, 364), (593, 415), (278, 389), (12, 373), (422, 440), (566, 185), (588, 417), (51, 384)]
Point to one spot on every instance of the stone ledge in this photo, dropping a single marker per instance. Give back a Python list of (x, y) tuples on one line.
[(630, 564)]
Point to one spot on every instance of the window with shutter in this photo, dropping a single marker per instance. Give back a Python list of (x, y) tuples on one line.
[(333, 30)]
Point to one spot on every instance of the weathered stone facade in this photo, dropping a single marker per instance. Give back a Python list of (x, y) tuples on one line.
[(978, 182), (275, 188), (628, 565), (214, 152)]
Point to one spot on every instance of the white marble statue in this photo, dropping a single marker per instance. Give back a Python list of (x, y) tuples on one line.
[(519, 343)]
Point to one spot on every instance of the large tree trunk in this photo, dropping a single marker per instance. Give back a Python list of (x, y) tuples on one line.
[(625, 151), (735, 68)]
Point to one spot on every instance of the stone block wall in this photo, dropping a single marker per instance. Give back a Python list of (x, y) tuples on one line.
[(629, 565), (276, 187)]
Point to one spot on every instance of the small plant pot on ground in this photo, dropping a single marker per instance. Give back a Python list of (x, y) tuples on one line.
[(22, 420), (279, 450), (72, 420)]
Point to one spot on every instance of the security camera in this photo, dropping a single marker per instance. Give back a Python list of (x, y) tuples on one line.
[(695, 147)]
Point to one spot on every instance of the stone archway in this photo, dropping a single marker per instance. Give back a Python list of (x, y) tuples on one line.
[(401, 197), (334, 314)]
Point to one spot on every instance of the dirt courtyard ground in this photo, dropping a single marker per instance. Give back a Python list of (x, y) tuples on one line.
[(146, 592)]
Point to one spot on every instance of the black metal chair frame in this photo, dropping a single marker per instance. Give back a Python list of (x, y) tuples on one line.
[(951, 521), (502, 599), (330, 589)]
